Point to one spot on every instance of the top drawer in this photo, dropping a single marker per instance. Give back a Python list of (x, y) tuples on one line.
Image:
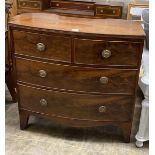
[(106, 53), (43, 46)]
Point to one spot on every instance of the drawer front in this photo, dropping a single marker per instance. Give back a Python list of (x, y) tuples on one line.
[(72, 5), (106, 53), (77, 79), (29, 4), (108, 11), (76, 106), (43, 46)]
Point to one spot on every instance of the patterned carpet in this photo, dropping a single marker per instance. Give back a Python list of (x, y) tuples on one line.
[(44, 138)]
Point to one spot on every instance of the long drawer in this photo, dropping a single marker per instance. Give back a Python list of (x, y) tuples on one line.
[(42, 45), (76, 106), (106, 53), (74, 78), (72, 5)]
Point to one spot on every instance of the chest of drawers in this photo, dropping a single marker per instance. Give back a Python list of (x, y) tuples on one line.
[(81, 8), (77, 72)]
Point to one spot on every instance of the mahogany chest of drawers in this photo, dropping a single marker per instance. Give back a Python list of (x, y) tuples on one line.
[(76, 71), (89, 8)]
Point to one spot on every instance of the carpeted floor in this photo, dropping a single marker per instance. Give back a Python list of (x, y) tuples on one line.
[(44, 138)]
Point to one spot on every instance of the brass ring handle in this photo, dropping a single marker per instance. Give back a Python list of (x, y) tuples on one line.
[(43, 102), (104, 80), (40, 47), (106, 53), (102, 109), (42, 73)]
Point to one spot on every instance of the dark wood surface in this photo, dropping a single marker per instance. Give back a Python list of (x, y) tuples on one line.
[(122, 52), (76, 106), (73, 65), (9, 77), (26, 43), (76, 79)]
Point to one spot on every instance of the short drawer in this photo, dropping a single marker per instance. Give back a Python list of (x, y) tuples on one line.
[(106, 53), (108, 11), (76, 106), (29, 4), (42, 46), (78, 79)]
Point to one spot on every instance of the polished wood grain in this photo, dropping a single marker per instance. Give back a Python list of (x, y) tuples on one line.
[(58, 23), (63, 83), (76, 106), (26, 43), (89, 51), (24, 118), (73, 78)]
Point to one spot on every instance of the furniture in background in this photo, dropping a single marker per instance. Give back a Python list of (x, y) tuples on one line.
[(139, 7), (8, 61), (80, 74), (143, 132), (86, 8)]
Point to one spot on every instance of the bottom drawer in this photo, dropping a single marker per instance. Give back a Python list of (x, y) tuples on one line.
[(76, 106)]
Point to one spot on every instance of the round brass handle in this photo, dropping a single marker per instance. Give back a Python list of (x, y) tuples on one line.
[(104, 80), (23, 3), (106, 53), (101, 11), (88, 7), (102, 109), (43, 102), (57, 4), (40, 47), (42, 73)]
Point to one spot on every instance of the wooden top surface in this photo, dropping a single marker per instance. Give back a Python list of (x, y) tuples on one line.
[(78, 25)]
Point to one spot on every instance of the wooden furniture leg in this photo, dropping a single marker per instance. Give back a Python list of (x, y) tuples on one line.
[(126, 130), (24, 117)]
